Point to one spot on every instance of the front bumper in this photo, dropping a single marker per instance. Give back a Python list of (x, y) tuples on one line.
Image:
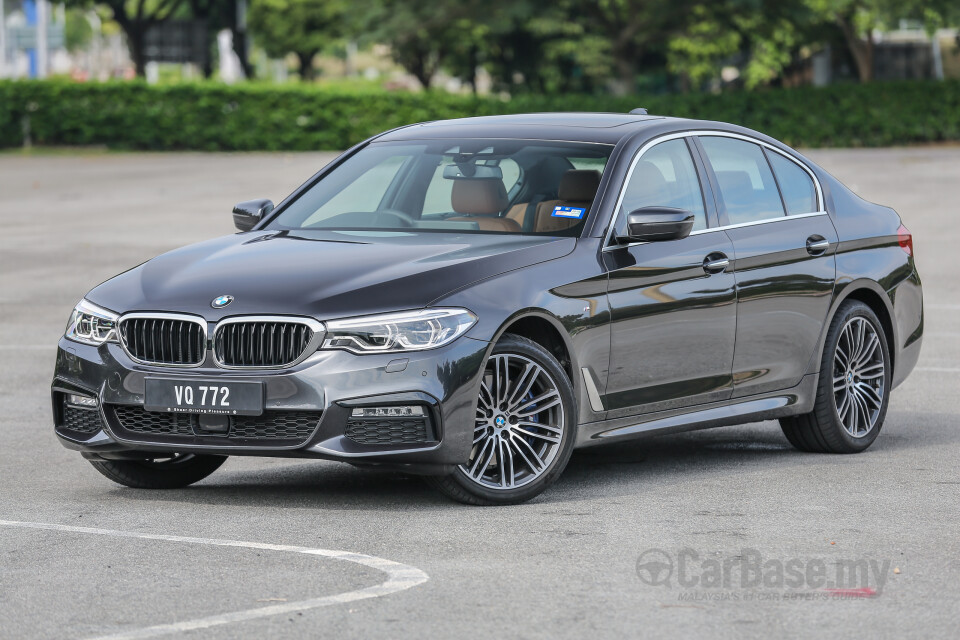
[(323, 389)]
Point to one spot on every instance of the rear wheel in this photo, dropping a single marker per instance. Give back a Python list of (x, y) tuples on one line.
[(163, 472), (524, 431), (853, 390)]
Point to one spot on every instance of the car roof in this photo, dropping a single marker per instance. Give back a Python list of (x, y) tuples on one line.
[(606, 128)]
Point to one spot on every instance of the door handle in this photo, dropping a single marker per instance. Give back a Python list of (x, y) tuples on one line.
[(817, 245), (716, 262)]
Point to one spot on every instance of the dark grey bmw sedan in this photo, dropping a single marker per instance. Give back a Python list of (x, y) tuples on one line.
[(471, 300)]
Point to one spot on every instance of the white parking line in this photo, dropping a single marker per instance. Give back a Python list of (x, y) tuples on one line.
[(399, 577), (27, 347)]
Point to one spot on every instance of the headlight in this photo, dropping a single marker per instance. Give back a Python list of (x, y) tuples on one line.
[(406, 331), (91, 324)]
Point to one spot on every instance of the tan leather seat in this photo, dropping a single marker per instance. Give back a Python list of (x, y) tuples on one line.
[(518, 212), (481, 201), (578, 188)]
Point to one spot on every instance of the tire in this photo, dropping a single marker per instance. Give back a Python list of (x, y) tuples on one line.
[(523, 436), (174, 472), (853, 390)]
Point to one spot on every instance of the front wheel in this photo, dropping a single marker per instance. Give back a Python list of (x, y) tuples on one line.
[(165, 472), (525, 428), (853, 390)]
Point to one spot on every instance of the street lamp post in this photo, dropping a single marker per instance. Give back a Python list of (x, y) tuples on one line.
[(43, 51), (95, 55)]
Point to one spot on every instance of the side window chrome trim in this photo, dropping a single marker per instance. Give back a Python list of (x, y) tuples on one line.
[(797, 216), (608, 237)]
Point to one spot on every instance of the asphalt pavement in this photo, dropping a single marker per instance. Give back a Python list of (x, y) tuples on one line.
[(716, 534)]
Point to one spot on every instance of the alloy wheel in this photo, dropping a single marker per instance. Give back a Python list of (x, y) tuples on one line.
[(519, 425), (859, 377)]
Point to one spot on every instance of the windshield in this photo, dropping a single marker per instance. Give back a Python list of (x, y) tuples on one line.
[(463, 186)]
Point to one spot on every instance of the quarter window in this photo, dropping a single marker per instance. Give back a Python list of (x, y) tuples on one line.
[(665, 177), (796, 185), (747, 187)]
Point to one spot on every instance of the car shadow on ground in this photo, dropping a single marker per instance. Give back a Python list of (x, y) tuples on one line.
[(605, 471)]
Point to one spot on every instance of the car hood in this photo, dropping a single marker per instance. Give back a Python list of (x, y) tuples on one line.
[(324, 275)]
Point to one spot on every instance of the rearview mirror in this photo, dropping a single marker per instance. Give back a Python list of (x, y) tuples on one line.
[(246, 215), (472, 171), (651, 224)]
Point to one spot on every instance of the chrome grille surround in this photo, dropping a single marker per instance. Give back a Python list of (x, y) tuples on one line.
[(139, 333), (265, 342)]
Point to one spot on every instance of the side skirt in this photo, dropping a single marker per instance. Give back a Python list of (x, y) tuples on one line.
[(794, 401)]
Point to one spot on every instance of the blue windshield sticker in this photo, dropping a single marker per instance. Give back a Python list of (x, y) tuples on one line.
[(569, 212)]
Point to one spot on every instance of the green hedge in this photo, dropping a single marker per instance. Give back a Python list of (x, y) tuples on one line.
[(133, 115)]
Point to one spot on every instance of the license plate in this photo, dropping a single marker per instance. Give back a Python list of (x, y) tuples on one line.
[(217, 397)]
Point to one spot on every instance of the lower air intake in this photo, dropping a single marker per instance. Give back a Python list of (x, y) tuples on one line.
[(388, 430), (273, 426), (81, 420)]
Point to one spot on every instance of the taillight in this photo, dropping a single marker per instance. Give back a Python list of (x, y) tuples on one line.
[(905, 240)]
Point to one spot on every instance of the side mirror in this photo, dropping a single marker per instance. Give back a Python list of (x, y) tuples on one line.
[(247, 215), (651, 224)]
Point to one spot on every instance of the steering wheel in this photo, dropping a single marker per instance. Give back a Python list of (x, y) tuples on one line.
[(399, 215)]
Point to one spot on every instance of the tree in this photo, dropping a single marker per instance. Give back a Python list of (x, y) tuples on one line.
[(423, 35), (633, 29), (301, 27), (697, 53), (859, 20), (759, 36), (543, 48), (219, 15), (77, 30), (135, 17), (462, 56)]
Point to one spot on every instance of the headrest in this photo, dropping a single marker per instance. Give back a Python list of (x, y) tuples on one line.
[(479, 196), (647, 187), (579, 185), (735, 182)]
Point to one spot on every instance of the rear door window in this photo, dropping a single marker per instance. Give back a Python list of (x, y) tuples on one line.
[(747, 187)]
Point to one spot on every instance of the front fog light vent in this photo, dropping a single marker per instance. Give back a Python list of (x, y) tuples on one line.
[(77, 414), (402, 424), (86, 402), (388, 412)]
